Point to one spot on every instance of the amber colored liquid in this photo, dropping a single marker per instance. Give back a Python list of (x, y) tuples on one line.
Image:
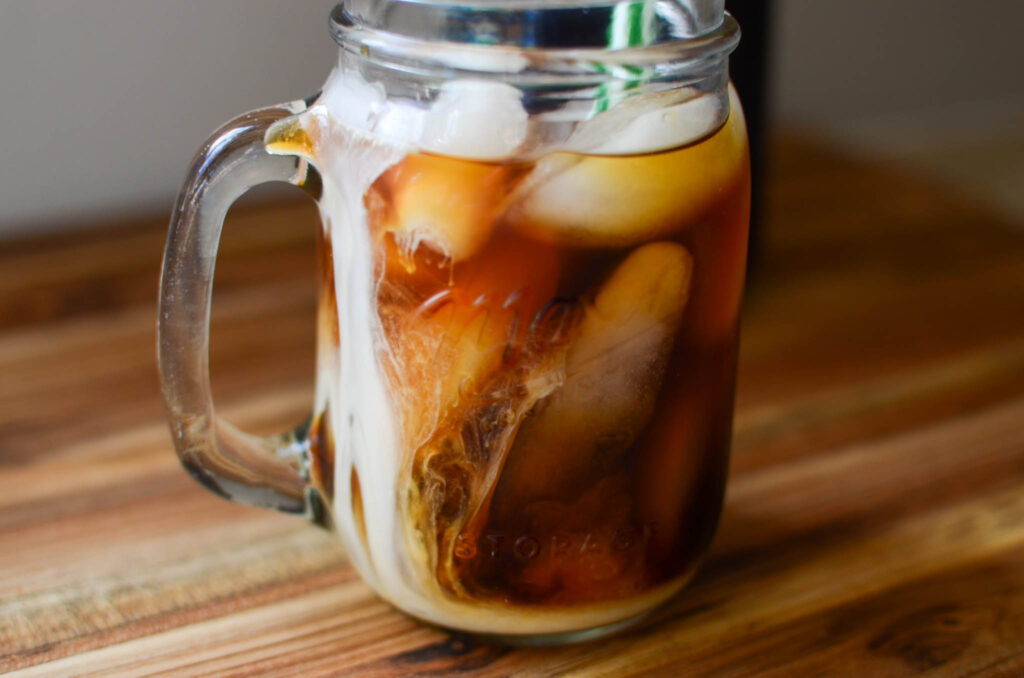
[(562, 374)]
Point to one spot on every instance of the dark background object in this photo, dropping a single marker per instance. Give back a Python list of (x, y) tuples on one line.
[(749, 69)]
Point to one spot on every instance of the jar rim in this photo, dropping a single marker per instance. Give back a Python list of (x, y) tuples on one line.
[(437, 46)]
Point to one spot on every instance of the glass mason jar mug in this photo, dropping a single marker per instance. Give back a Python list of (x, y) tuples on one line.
[(531, 263)]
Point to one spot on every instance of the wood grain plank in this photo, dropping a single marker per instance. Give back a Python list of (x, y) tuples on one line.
[(831, 571), (720, 616), (953, 623)]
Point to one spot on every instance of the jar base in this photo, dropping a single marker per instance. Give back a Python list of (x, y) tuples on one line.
[(564, 637), (662, 599)]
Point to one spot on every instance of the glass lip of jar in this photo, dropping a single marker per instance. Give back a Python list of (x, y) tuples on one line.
[(529, 66)]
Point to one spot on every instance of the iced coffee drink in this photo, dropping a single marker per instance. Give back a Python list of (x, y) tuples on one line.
[(531, 258), (526, 351)]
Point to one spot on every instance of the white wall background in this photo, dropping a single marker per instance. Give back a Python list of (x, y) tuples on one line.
[(103, 102), (900, 74)]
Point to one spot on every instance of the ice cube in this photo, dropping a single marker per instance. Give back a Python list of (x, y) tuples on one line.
[(613, 373), (467, 322), (477, 119), (448, 204), (650, 123), (352, 101), (595, 200)]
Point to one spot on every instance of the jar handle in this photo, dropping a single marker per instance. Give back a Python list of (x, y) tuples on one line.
[(270, 471)]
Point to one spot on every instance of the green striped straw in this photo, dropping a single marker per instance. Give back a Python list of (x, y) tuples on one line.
[(633, 25)]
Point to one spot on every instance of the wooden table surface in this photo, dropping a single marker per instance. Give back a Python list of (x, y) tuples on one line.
[(874, 523)]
